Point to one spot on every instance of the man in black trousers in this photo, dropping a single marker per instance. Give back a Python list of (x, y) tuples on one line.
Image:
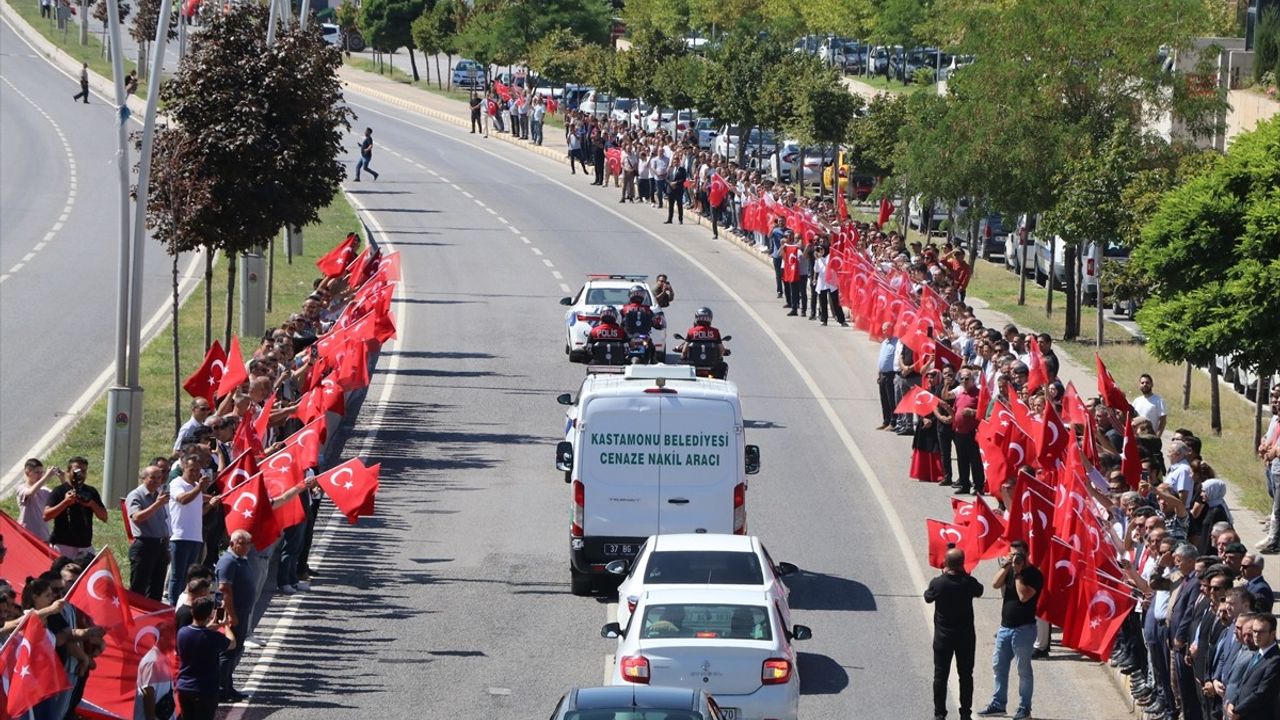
[(953, 593), (675, 189)]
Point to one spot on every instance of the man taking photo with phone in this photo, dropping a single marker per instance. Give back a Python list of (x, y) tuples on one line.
[(71, 507), (1020, 584)]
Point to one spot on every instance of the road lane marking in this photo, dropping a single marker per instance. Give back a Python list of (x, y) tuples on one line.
[(525, 240), (72, 188), (464, 192), (565, 288), (536, 251), (490, 210), (479, 202), (445, 179), (556, 274), (293, 603), (548, 263), (503, 220), (896, 527), (514, 229)]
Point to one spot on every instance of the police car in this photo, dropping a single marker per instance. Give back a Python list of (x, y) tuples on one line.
[(598, 292)]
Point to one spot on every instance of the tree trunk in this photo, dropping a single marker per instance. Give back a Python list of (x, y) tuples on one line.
[(1186, 388), (1258, 401), (974, 240), (449, 59), (439, 77), (1048, 281), (208, 297), (231, 296), (426, 67), (1100, 298), (1215, 401), (177, 360), (271, 266), (1072, 328), (1023, 238), (413, 64)]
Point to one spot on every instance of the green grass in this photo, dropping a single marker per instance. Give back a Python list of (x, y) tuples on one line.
[(879, 82), (1231, 454), (402, 75), (91, 53), (292, 283)]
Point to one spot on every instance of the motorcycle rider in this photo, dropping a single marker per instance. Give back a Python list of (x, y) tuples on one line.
[(638, 317), (607, 329), (704, 332)]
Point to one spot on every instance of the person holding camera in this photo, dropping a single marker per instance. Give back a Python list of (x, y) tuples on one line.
[(200, 647), (953, 593), (71, 507), (1020, 584)]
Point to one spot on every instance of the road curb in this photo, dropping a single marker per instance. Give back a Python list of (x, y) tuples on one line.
[(64, 62)]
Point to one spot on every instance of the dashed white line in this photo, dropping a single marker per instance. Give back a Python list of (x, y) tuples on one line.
[(478, 202), (503, 220), (536, 251), (40, 246), (433, 172), (514, 229), (491, 211), (464, 192), (16, 268), (548, 263), (444, 179), (556, 274), (27, 258), (525, 240), (565, 288)]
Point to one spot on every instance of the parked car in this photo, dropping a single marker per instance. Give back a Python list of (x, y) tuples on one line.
[(706, 128), (784, 163), (855, 56), (597, 103), (878, 58), (637, 702), (468, 74), (1019, 245), (991, 235), (352, 41), (673, 121), (1113, 252), (1050, 260), (915, 214), (628, 110), (957, 62), (903, 67)]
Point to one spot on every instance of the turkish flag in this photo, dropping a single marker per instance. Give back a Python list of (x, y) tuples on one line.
[(308, 442), (946, 357), (1021, 414), (917, 401), (1052, 440), (842, 206), (906, 323), (984, 394), (99, 592), (247, 439), (325, 397), (334, 263), (992, 449), (1031, 516), (203, 383), (1037, 376), (985, 534), (503, 91), (886, 211), (1112, 395), (352, 365), (1064, 576), (235, 374), (962, 511), (362, 267), (113, 684), (790, 263), (27, 556), (1103, 610), (352, 487), (942, 537), (1073, 409), (1130, 460), (263, 422), (717, 191), (30, 666), (248, 507), (281, 474), (239, 471)]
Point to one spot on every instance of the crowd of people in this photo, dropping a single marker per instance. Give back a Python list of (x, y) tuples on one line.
[(1200, 640), (197, 554)]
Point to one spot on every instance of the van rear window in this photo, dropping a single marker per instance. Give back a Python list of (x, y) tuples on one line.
[(697, 567)]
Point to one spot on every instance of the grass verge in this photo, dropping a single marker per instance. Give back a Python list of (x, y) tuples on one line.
[(1231, 454), (399, 75), (69, 42), (292, 283), (879, 82)]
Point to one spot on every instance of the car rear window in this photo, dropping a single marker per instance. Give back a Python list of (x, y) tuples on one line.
[(634, 714), (608, 296), (708, 622), (696, 567)]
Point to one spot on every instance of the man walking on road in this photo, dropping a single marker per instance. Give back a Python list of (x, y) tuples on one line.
[(366, 155), (953, 593), (1020, 583), (84, 84)]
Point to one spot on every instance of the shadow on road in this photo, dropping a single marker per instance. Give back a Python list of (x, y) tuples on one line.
[(820, 675), (818, 591)]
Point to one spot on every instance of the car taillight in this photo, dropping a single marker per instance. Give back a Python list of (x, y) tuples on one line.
[(584, 317), (776, 671), (636, 669), (1088, 267), (579, 508), (988, 234), (631, 603), (740, 509)]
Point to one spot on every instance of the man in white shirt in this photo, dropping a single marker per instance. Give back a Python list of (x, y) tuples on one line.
[(186, 521), (1179, 474), (200, 411), (1149, 405)]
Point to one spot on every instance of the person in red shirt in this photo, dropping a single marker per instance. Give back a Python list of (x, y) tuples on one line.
[(605, 333), (964, 434)]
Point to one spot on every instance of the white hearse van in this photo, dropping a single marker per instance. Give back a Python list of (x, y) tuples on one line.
[(651, 450)]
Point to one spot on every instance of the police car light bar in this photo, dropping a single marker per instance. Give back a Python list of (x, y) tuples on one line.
[(607, 276)]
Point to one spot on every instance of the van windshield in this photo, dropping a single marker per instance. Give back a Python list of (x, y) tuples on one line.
[(698, 567)]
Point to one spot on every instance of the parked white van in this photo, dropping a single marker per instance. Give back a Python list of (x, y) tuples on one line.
[(651, 450)]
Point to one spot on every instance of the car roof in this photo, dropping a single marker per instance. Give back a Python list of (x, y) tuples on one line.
[(707, 594), (637, 696), (684, 542)]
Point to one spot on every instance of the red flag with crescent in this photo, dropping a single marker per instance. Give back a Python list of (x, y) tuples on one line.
[(352, 487), (718, 190), (99, 592), (886, 211), (240, 470), (203, 383), (942, 537), (335, 262), (30, 665), (248, 507), (234, 373), (917, 401)]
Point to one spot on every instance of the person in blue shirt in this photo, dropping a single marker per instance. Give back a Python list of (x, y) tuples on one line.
[(200, 645), (236, 583), (887, 372)]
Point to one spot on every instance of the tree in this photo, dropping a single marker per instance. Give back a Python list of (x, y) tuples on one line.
[(677, 79), (254, 140), (387, 25), (557, 55), (664, 17), (735, 81), (823, 107), (489, 34), (143, 30), (347, 18), (873, 137), (1211, 256)]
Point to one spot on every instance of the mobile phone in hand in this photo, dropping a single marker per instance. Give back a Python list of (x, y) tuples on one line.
[(220, 615)]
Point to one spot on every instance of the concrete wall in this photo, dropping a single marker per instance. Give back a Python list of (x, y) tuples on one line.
[(1248, 108)]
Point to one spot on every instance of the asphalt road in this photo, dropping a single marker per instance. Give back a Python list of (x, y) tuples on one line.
[(58, 247), (454, 596)]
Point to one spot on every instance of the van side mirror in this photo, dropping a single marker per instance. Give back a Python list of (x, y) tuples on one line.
[(564, 456), (752, 459), (566, 301), (786, 568), (613, 631), (799, 632), (564, 399)]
